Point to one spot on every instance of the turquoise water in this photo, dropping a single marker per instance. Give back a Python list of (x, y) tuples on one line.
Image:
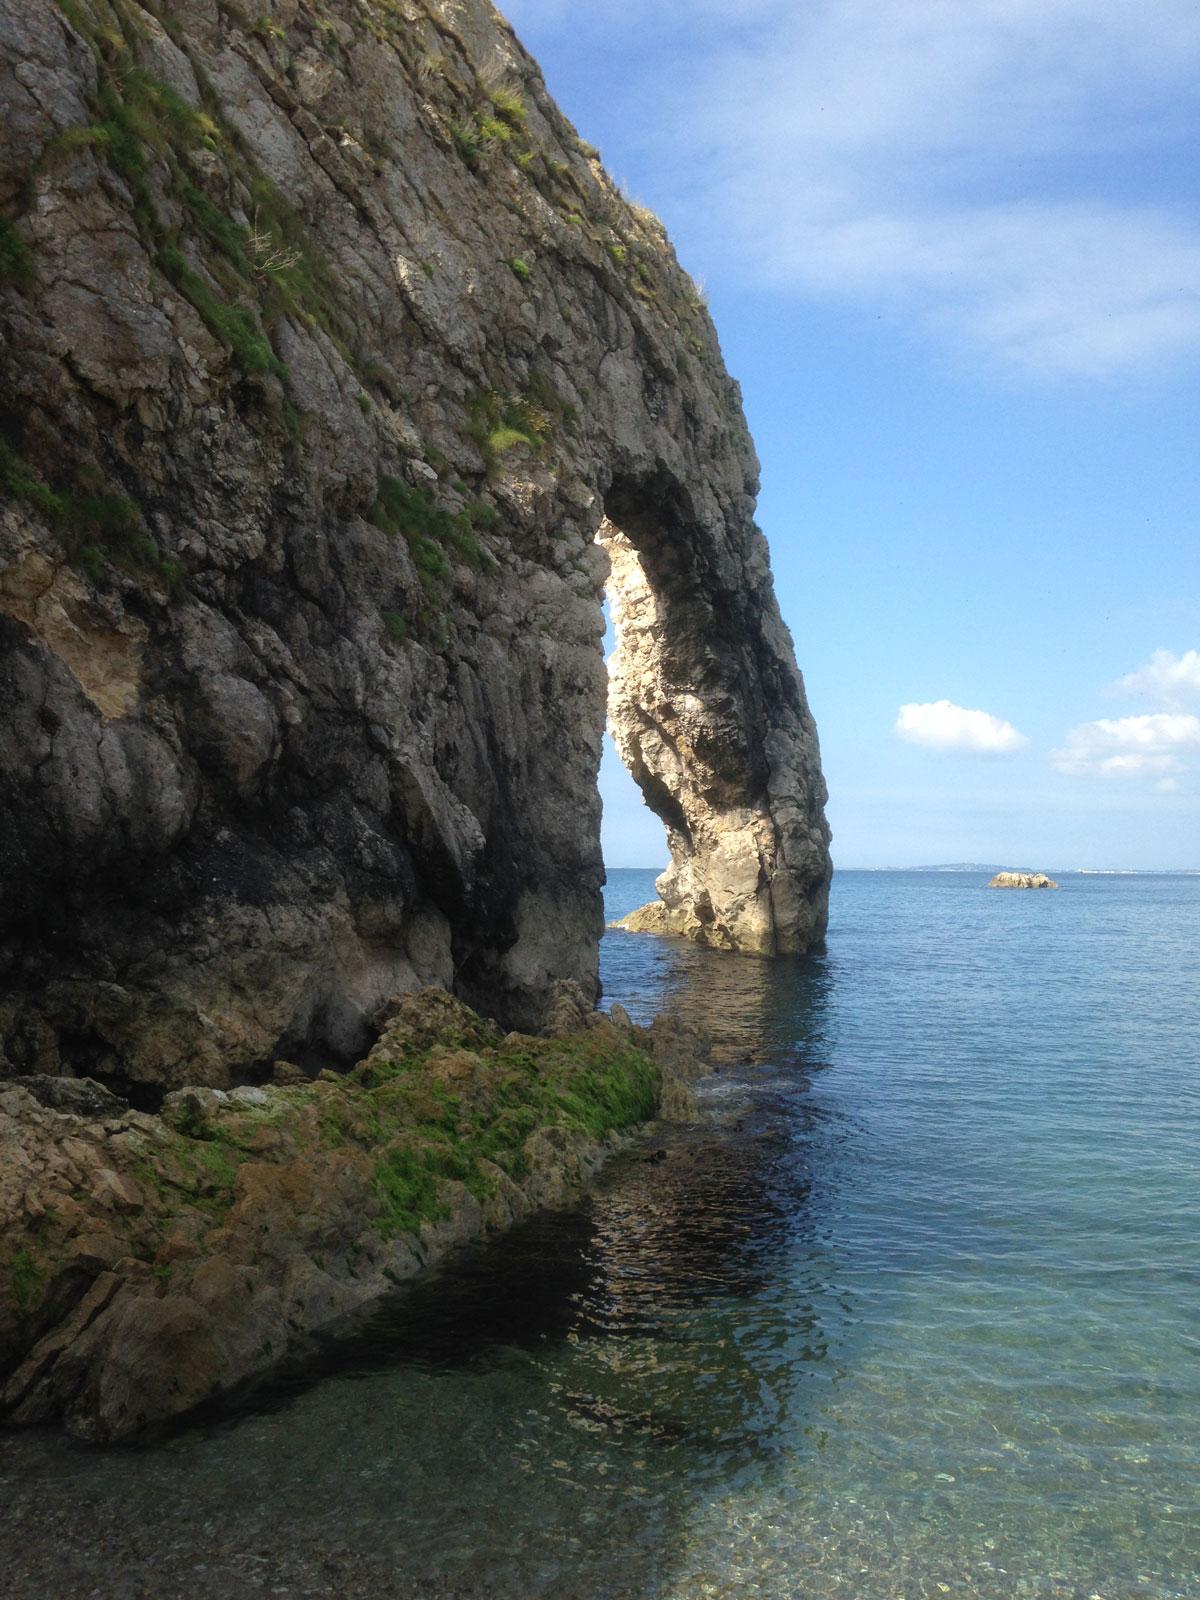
[(913, 1312)]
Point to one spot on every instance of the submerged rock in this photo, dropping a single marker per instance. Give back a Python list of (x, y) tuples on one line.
[(1022, 880), (149, 1263)]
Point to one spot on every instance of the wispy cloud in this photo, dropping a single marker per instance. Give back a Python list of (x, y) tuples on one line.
[(941, 725), (950, 160), (1129, 747), (1170, 679), (981, 167)]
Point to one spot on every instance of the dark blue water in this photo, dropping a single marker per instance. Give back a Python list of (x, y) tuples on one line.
[(913, 1312)]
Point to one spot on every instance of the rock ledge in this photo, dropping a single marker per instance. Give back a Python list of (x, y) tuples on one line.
[(149, 1263)]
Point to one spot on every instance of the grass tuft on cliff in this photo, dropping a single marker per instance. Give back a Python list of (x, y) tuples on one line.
[(15, 264), (26, 1276), (96, 529), (431, 530), (509, 107), (500, 423), (240, 274)]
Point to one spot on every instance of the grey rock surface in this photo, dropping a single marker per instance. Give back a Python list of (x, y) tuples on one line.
[(327, 352), (81, 1097)]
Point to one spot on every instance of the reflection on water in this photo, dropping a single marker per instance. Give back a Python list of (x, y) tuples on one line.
[(755, 1010), (912, 1313)]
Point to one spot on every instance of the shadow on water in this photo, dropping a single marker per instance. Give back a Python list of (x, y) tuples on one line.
[(542, 1416)]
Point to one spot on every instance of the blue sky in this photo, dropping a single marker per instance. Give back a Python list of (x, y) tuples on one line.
[(952, 249)]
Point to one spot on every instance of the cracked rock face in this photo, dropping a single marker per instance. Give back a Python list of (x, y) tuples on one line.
[(327, 351)]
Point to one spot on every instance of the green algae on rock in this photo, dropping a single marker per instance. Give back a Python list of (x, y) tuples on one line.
[(152, 1262)]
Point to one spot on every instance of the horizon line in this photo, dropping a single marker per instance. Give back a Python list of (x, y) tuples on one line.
[(1084, 872)]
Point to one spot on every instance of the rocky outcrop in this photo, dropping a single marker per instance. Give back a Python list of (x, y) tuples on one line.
[(327, 349), (709, 714), (149, 1263), (1022, 880)]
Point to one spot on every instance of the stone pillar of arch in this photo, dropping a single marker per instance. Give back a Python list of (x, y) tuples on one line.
[(708, 711)]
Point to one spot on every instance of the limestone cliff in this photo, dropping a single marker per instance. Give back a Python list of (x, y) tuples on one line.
[(328, 350)]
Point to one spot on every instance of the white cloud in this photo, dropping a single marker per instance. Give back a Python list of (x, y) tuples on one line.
[(1172, 680), (941, 725), (929, 155), (982, 166), (1129, 747), (1167, 786)]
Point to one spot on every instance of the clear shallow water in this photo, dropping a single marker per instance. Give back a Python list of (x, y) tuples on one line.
[(914, 1312)]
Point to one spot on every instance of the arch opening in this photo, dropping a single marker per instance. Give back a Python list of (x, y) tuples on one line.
[(707, 712), (633, 837)]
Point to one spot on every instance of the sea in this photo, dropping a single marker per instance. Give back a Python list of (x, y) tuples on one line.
[(910, 1312)]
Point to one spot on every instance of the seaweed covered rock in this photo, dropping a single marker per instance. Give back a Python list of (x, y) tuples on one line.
[(148, 1263)]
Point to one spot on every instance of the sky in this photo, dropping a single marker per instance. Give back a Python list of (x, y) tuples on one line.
[(952, 250)]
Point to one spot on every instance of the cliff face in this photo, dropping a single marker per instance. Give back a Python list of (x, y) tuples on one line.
[(327, 352)]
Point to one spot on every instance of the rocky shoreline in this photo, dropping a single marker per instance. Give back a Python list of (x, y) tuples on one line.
[(152, 1262)]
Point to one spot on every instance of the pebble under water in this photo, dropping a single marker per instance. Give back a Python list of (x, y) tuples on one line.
[(914, 1311)]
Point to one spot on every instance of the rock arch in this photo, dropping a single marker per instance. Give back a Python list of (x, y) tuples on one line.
[(709, 713), (301, 684)]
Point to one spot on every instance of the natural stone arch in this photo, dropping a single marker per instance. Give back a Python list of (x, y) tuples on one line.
[(709, 714), (317, 720)]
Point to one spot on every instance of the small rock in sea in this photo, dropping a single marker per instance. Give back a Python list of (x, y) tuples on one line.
[(1022, 880)]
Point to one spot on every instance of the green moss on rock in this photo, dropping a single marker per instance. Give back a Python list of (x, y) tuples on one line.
[(27, 1276), (276, 1213), (455, 1113), (14, 255)]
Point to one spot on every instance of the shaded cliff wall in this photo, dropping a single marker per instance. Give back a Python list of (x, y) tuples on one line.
[(326, 347)]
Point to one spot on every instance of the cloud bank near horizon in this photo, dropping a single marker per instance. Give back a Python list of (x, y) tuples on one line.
[(1130, 747)]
